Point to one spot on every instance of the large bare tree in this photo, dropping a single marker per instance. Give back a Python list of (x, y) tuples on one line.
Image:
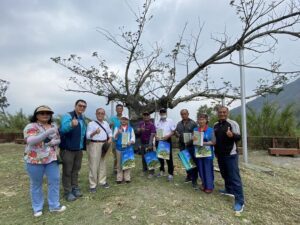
[(151, 80)]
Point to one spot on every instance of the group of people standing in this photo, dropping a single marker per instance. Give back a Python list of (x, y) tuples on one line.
[(43, 139)]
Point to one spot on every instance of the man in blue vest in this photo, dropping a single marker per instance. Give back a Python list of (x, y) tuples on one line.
[(73, 141)]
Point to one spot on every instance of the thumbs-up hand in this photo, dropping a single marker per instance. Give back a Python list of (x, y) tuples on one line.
[(229, 133), (98, 131), (74, 122)]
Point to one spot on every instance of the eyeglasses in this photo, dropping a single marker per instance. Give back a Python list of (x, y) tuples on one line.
[(102, 113), (82, 106)]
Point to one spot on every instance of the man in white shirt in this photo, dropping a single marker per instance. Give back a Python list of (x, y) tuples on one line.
[(98, 132), (167, 126)]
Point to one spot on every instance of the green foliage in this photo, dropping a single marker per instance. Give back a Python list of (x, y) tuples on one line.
[(271, 121), (3, 100), (13, 123)]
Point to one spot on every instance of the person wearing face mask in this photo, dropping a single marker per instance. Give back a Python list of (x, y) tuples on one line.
[(166, 127)]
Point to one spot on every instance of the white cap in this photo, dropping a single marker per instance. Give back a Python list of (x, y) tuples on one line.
[(125, 116)]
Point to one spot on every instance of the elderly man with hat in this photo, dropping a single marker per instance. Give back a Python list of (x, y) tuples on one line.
[(124, 128), (166, 126), (146, 130)]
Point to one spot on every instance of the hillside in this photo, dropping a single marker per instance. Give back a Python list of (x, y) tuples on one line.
[(290, 94)]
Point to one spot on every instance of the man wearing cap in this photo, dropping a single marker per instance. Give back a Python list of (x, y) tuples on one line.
[(184, 130), (227, 133), (73, 141), (98, 132), (115, 121), (167, 127), (146, 130), (123, 175)]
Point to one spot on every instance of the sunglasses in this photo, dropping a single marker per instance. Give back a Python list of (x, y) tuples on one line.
[(44, 113)]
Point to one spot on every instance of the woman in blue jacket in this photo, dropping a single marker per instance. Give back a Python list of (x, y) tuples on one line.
[(205, 162)]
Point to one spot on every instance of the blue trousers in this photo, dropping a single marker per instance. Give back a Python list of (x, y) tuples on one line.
[(229, 168), (36, 173), (206, 172)]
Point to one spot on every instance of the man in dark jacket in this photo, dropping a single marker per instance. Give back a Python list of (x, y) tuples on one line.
[(73, 141), (184, 130), (227, 134)]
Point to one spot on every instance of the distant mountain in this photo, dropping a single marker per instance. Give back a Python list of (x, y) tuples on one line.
[(290, 94)]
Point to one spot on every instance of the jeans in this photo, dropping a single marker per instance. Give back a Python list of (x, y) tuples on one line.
[(229, 168), (36, 173)]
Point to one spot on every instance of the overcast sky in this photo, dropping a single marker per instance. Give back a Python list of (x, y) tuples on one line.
[(33, 31)]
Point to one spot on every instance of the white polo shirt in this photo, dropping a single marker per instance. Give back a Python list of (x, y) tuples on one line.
[(92, 126), (168, 126)]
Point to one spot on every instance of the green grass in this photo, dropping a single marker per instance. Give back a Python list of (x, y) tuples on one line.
[(269, 199)]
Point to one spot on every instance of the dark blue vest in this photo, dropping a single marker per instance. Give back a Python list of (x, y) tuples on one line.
[(71, 140)]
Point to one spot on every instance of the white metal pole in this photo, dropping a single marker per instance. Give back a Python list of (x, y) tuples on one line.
[(243, 106)]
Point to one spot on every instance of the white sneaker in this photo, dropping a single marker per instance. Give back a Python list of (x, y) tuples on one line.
[(37, 214), (170, 177), (59, 209)]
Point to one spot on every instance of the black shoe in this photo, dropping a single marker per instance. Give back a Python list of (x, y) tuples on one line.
[(93, 190), (70, 197), (76, 192), (195, 186), (119, 182), (106, 185), (128, 181), (187, 180)]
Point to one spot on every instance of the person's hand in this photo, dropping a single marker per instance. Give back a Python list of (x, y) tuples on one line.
[(109, 141), (119, 130), (74, 122), (229, 133), (51, 130), (177, 134), (97, 131)]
